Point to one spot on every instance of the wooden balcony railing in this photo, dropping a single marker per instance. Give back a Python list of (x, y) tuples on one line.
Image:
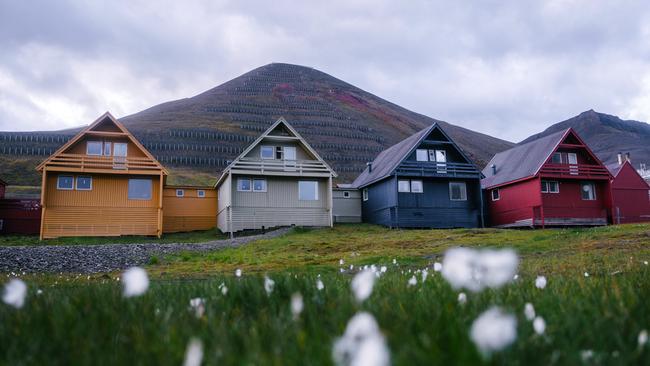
[(91, 162), (432, 169), (575, 171), (299, 167)]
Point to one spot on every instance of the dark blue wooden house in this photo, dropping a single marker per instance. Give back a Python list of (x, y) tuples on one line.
[(424, 181)]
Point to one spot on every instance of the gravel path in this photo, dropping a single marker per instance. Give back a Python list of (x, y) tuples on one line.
[(106, 257)]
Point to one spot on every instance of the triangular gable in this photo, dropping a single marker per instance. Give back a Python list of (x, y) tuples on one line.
[(626, 170), (105, 123), (571, 137), (280, 125)]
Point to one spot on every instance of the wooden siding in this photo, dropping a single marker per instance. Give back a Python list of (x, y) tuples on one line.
[(631, 197), (281, 193), (301, 154), (103, 211), (346, 210), (224, 201), (249, 218), (190, 212), (515, 205), (382, 197)]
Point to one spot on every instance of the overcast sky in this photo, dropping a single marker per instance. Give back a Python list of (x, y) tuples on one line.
[(504, 68)]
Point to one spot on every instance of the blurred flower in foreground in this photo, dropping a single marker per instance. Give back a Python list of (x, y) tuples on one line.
[(539, 325), (224, 288), (540, 282), (15, 293), (643, 338), (319, 285), (193, 353), (238, 272), (477, 269), (437, 267), (362, 285), (412, 281), (493, 331), (529, 311), (198, 305), (296, 305), (462, 298), (268, 285), (362, 344), (135, 282)]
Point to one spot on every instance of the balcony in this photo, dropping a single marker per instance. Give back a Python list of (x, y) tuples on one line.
[(281, 167), (102, 164), (433, 169), (580, 171)]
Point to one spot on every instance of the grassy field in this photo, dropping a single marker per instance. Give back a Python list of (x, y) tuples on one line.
[(76, 320)]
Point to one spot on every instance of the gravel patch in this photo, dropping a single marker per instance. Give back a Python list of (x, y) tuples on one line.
[(105, 257)]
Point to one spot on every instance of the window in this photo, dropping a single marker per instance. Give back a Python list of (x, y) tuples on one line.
[(259, 185), (94, 148), (557, 158), (107, 149), (307, 191), (496, 195), (120, 149), (572, 158), (421, 155), (403, 186), (180, 193), (416, 186), (244, 185), (441, 156), (267, 152), (588, 191), (551, 186), (65, 182), (365, 194), (346, 194), (84, 183), (289, 153), (200, 193), (140, 189), (457, 191)]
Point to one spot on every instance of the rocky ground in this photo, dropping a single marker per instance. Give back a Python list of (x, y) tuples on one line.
[(103, 258)]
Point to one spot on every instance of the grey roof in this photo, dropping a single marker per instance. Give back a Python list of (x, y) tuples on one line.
[(389, 159), (521, 161)]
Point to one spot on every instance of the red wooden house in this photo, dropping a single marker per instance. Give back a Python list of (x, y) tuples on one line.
[(630, 193), (553, 181)]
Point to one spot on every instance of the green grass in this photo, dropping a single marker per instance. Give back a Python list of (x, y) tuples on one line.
[(190, 237)]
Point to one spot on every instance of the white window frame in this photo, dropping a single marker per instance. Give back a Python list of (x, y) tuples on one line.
[(109, 145), (498, 194), (554, 155), (407, 185), (150, 192), (364, 193), (250, 184), (546, 186), (267, 147), (289, 148), (76, 183), (413, 189), (259, 190), (200, 193), (418, 152), (593, 191), (126, 149), (101, 147), (58, 183), (346, 194), (315, 190), (180, 193), (463, 191)]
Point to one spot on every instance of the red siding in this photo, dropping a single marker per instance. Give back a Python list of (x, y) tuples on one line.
[(516, 202), (20, 216), (631, 195), (568, 203)]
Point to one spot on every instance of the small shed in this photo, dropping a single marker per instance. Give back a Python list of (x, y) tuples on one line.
[(189, 208), (630, 193), (346, 204)]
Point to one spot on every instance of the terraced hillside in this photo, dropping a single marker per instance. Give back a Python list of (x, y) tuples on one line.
[(197, 137)]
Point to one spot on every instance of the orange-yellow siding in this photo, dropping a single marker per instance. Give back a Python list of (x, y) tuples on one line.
[(189, 213), (103, 211)]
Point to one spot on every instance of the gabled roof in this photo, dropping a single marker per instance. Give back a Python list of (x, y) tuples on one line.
[(615, 168), (524, 161), (104, 117), (388, 160), (301, 140)]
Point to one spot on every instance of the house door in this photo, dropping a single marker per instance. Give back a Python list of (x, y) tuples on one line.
[(119, 155), (289, 153), (441, 160), (573, 163)]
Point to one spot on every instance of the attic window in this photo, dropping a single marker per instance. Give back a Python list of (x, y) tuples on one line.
[(557, 158), (267, 152), (421, 155), (94, 148)]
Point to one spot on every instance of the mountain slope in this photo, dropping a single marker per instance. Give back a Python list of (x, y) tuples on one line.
[(607, 135)]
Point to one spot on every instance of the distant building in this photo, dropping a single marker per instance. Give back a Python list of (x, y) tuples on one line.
[(552, 181), (346, 204), (630, 193), (279, 180), (424, 181)]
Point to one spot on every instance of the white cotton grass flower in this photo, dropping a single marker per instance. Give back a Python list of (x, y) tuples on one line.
[(425, 274), (412, 281), (341, 262), (643, 338), (136, 282), (437, 267), (493, 331), (297, 305), (462, 298), (319, 285), (362, 344), (198, 306), (238, 272), (586, 355), (540, 282), (223, 288), (351, 267), (529, 311), (383, 269), (476, 269), (539, 325), (394, 261), (586, 274), (645, 262), (194, 353), (515, 277), (15, 293), (39, 292), (362, 285), (268, 285)]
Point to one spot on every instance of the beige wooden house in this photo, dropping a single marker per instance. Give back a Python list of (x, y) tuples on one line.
[(279, 180)]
